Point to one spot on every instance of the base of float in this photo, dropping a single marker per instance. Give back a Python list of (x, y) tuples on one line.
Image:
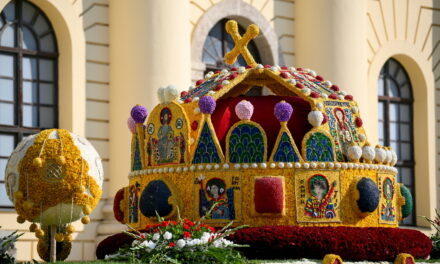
[(291, 242)]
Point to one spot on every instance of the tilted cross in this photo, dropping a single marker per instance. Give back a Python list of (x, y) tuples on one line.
[(241, 42)]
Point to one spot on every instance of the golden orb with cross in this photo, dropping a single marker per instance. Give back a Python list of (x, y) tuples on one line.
[(298, 157)]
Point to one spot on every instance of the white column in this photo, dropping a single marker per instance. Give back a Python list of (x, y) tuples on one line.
[(331, 39), (149, 48)]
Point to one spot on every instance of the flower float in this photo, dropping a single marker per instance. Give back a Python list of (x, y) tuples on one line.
[(299, 157), (53, 179)]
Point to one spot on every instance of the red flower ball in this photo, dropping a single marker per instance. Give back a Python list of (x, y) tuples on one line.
[(335, 88), (359, 122), (299, 69), (194, 125), (267, 66), (314, 94), (248, 66), (200, 82), (232, 76), (349, 97), (325, 118), (183, 93), (216, 72), (285, 75), (284, 68), (185, 226), (333, 96), (188, 100), (299, 85), (171, 244), (233, 68), (320, 78), (218, 87)]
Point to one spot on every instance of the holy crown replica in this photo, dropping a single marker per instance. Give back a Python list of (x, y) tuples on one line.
[(299, 157)]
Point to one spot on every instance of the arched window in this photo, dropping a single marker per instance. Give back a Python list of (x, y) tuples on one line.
[(396, 121), (218, 43), (28, 78)]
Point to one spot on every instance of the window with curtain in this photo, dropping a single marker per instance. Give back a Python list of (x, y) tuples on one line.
[(218, 43), (396, 121), (28, 79)]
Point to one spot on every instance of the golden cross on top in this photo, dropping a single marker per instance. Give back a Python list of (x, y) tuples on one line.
[(241, 42)]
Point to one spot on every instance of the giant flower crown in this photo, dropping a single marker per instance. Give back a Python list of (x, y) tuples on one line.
[(299, 157)]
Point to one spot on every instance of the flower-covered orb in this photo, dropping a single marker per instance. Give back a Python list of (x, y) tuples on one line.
[(207, 104), (244, 110), (283, 111), (56, 192), (139, 113)]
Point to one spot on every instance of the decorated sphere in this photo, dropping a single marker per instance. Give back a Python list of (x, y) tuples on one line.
[(244, 110), (54, 177), (283, 111), (139, 113), (207, 105), (131, 125)]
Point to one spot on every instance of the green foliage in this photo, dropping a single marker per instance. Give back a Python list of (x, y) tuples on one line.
[(435, 238), (6, 246)]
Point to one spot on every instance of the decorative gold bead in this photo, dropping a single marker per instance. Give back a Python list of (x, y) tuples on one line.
[(87, 210), (27, 205), (18, 195), (33, 227), (20, 219), (68, 238), (70, 229), (39, 233), (59, 237), (85, 220), (61, 160), (38, 162)]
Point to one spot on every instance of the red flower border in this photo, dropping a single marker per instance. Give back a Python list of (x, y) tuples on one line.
[(351, 243)]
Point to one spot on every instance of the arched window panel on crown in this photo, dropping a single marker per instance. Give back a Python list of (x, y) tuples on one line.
[(395, 121), (218, 43), (28, 78)]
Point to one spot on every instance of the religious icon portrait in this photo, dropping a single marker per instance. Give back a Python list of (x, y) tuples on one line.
[(319, 196), (219, 194)]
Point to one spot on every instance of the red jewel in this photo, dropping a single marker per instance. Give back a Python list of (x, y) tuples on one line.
[(299, 85), (285, 75), (248, 66), (218, 87), (199, 82), (183, 93), (349, 97), (267, 66), (233, 69), (320, 78), (325, 118), (314, 95), (194, 125), (359, 122), (299, 69), (335, 88), (284, 68), (333, 96), (188, 100)]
